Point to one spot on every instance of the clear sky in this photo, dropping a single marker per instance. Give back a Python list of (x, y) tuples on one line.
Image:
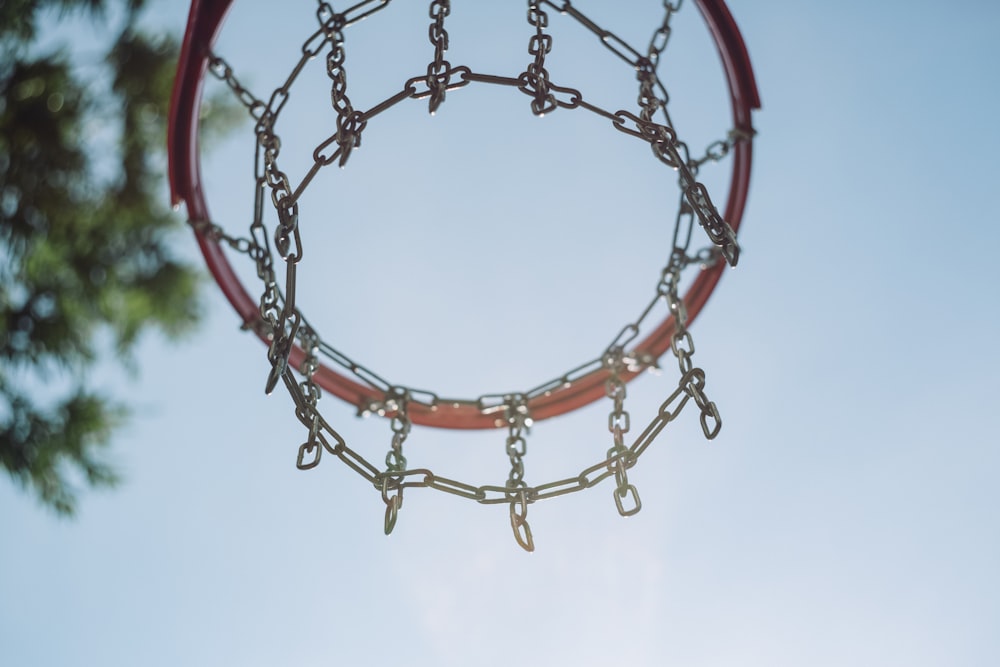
[(846, 514)]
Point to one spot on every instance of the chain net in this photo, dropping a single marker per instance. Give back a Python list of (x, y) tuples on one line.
[(276, 254)]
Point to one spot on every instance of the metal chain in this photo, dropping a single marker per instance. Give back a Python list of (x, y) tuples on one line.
[(649, 103), (705, 257), (658, 43), (652, 93), (619, 423), (611, 41), (352, 14), (396, 403), (517, 417), (283, 323), (349, 122), (309, 451), (662, 138), (257, 246), (439, 70), (690, 386), (718, 150), (536, 77), (224, 72)]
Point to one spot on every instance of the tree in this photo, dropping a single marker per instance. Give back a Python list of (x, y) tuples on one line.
[(85, 261)]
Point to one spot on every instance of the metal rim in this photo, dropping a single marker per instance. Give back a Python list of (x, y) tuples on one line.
[(204, 22)]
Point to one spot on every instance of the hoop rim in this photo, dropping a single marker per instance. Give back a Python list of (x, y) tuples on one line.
[(205, 20)]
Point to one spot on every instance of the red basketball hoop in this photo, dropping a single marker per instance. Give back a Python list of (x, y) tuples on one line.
[(294, 345)]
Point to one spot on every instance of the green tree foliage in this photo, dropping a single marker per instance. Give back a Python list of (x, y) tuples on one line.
[(85, 264)]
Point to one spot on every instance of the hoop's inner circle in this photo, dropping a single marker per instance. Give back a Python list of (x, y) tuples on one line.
[(494, 216), (464, 270)]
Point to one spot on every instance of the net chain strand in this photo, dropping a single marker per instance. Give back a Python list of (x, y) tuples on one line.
[(283, 324)]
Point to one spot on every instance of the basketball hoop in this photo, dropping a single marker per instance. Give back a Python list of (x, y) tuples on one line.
[(307, 365)]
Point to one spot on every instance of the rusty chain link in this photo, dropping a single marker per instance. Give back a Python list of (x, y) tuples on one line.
[(349, 122), (284, 325), (535, 79), (439, 70), (396, 403)]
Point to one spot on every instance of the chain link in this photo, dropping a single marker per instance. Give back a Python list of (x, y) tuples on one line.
[(535, 79), (397, 402), (352, 14), (518, 419), (222, 71), (310, 393), (662, 138), (619, 424), (658, 43), (611, 41), (439, 70), (283, 324), (349, 122)]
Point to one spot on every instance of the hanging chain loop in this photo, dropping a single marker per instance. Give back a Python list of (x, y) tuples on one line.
[(518, 419), (439, 70), (619, 456), (535, 79), (350, 123), (396, 403)]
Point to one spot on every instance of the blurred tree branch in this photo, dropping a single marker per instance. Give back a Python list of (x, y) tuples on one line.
[(84, 242)]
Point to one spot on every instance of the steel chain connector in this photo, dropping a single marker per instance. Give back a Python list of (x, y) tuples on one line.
[(519, 521), (711, 421), (658, 43), (535, 79), (619, 457), (310, 451), (396, 404), (439, 70), (349, 122), (518, 420)]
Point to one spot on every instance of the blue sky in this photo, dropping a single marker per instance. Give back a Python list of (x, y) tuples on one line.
[(845, 514)]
